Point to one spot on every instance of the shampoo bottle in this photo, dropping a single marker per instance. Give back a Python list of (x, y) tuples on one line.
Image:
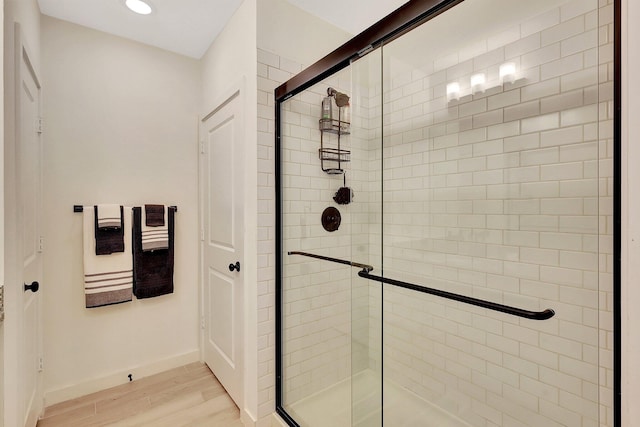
[(327, 112), (326, 108)]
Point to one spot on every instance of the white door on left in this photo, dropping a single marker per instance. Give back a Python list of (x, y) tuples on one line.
[(28, 196)]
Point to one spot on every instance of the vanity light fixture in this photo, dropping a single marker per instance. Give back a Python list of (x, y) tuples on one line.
[(477, 83), (507, 73), (139, 6), (480, 83), (453, 91)]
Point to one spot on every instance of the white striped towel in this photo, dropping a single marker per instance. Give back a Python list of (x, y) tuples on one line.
[(108, 279), (109, 216), (154, 238)]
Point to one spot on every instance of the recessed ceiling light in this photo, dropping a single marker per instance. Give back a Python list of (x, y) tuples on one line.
[(138, 6)]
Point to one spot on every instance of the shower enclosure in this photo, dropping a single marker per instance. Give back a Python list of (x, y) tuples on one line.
[(445, 245)]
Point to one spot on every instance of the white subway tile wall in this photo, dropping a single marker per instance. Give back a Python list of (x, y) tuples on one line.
[(505, 195), (266, 235), (513, 210)]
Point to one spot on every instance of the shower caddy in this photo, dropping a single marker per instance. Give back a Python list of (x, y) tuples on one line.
[(327, 124)]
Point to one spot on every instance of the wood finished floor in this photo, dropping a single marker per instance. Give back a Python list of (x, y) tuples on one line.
[(186, 396)]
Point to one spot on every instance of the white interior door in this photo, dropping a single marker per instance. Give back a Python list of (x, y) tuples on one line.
[(29, 194), (223, 222)]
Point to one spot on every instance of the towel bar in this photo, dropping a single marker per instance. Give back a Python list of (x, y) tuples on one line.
[(79, 208), (366, 274)]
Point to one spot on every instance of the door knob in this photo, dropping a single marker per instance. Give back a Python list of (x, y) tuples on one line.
[(235, 266), (33, 287)]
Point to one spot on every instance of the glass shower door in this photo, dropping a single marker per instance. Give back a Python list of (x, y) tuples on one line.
[(366, 173), (319, 307), (330, 182), (491, 191)]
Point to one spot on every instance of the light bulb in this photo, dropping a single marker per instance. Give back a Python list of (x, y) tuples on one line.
[(453, 91), (508, 72), (138, 6), (477, 83)]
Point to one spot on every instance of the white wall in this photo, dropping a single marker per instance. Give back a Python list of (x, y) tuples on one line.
[(228, 65), (230, 57), (121, 127), (294, 34), (630, 213)]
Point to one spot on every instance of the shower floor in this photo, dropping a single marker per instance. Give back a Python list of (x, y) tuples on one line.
[(330, 407)]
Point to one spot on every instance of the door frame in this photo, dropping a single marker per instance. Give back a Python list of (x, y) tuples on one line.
[(2, 208), (14, 47)]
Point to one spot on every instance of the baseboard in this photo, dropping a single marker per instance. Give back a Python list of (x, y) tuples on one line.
[(52, 397), (247, 419), (276, 421)]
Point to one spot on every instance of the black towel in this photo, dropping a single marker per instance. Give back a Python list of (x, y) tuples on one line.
[(154, 215), (152, 270), (108, 240)]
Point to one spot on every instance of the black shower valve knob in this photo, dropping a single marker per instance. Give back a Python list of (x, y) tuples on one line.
[(331, 219)]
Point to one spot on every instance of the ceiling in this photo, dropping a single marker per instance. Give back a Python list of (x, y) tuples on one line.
[(188, 27), (353, 16)]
